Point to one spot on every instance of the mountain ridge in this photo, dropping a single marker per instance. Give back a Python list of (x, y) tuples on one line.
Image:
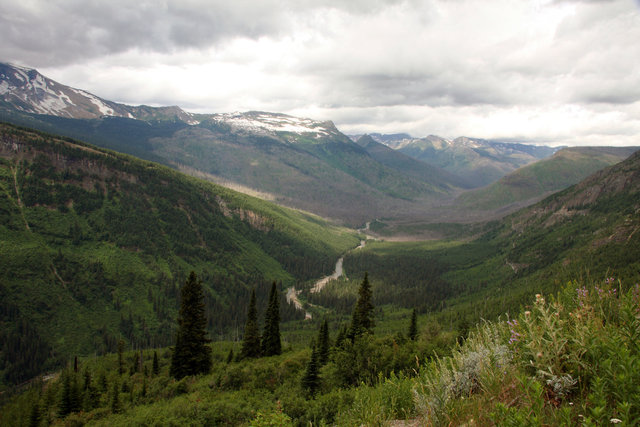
[(478, 161)]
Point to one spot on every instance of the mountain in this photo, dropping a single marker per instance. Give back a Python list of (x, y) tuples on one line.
[(296, 162), (589, 232), (95, 246), (25, 89), (566, 167), (408, 165), (478, 161)]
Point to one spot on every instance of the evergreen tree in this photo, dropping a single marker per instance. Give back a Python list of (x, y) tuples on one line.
[(65, 405), (102, 381), (155, 370), (251, 340), (362, 320), (323, 343), (115, 398), (271, 344), (342, 335), (191, 354), (120, 359), (230, 356), (413, 326), (76, 398), (311, 378), (35, 415), (135, 362), (143, 393), (70, 398), (87, 379)]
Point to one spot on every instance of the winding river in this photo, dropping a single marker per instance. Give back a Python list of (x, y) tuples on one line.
[(292, 293)]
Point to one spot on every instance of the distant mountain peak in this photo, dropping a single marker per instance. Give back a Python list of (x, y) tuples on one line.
[(27, 90), (265, 122)]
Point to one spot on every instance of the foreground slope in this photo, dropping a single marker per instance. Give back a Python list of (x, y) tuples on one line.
[(95, 246)]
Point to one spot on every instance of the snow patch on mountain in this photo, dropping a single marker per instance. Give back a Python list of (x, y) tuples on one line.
[(104, 109), (273, 123)]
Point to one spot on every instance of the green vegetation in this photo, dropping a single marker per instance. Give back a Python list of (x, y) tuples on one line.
[(362, 320), (95, 246), (271, 344), (251, 340), (80, 235), (570, 361), (191, 355), (329, 175), (566, 167)]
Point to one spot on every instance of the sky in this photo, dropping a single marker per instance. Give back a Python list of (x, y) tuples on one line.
[(558, 72)]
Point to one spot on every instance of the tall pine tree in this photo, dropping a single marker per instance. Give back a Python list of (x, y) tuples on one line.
[(311, 378), (413, 326), (362, 320), (155, 368), (251, 340), (271, 345), (191, 354), (323, 343)]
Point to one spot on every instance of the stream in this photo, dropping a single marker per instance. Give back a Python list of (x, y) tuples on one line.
[(292, 293)]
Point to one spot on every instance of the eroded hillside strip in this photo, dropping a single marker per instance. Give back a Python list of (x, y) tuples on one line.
[(14, 171)]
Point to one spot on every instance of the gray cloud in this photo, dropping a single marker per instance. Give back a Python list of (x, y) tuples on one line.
[(55, 33), (488, 68)]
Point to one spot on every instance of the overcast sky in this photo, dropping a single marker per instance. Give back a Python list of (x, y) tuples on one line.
[(552, 71)]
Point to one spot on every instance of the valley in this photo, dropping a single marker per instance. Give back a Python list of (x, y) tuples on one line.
[(393, 261)]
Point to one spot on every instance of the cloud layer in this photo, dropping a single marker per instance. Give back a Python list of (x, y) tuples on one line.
[(564, 72)]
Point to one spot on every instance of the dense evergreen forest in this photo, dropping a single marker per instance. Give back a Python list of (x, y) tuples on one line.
[(95, 246)]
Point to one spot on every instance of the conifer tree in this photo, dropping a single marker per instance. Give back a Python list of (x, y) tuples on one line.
[(143, 393), (230, 356), (35, 415), (115, 398), (102, 381), (70, 397), (191, 354), (155, 370), (120, 359), (65, 405), (362, 320), (323, 343), (311, 378), (342, 335), (76, 399), (251, 340), (271, 344), (135, 362), (413, 326)]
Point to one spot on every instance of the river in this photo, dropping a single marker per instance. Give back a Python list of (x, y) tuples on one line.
[(292, 293)]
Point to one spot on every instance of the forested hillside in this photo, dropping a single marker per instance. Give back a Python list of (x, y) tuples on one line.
[(95, 246), (566, 167), (590, 230), (317, 169)]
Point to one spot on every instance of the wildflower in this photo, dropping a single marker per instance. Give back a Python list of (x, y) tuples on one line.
[(527, 313), (539, 355), (615, 420)]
